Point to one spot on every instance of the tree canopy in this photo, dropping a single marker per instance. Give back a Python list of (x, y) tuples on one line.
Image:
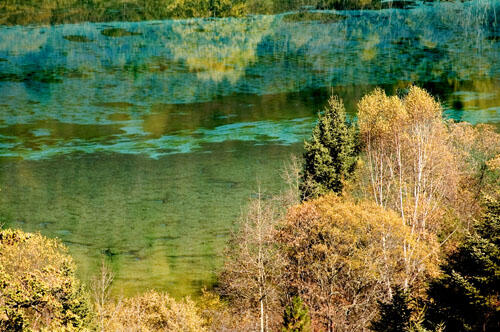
[(38, 286), (343, 256)]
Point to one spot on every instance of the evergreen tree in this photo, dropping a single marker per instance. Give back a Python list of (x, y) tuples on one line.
[(467, 296), (395, 315), (330, 155), (296, 317)]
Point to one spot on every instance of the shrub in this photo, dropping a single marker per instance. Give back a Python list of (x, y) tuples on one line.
[(153, 311), (220, 315)]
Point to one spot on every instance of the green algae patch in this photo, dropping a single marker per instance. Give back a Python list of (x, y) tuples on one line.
[(52, 75), (118, 117), (313, 17), (77, 38), (118, 32), (57, 130), (115, 104)]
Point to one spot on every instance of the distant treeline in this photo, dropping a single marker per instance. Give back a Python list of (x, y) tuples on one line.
[(22, 12)]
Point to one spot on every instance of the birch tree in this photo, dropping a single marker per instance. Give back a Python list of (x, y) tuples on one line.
[(411, 165), (251, 277)]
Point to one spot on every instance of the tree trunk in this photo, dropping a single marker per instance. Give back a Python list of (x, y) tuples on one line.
[(261, 314)]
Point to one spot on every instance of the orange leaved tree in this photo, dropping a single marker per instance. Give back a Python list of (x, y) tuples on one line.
[(342, 257)]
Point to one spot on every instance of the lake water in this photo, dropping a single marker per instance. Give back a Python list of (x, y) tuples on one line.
[(140, 142)]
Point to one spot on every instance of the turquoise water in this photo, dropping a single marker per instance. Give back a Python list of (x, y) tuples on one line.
[(139, 142)]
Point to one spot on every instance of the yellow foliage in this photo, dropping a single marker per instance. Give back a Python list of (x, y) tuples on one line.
[(494, 163), (153, 311), (378, 113), (382, 114), (221, 316), (411, 165), (477, 148), (421, 106), (475, 145), (38, 288), (343, 257)]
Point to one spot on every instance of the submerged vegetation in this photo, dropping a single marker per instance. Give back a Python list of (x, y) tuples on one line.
[(403, 235)]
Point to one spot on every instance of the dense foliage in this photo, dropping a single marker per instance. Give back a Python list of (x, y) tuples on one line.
[(395, 315), (38, 287), (412, 168), (14, 12), (465, 298), (342, 257), (72, 11)]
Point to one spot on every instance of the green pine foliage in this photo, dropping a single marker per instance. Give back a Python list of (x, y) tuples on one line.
[(394, 315), (296, 317), (330, 156), (467, 296)]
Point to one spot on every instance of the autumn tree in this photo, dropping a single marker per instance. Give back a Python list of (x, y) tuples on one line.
[(467, 296), (412, 169), (251, 276), (410, 164), (342, 257), (330, 155), (38, 286)]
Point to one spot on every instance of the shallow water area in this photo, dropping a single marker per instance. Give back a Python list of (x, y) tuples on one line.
[(139, 142)]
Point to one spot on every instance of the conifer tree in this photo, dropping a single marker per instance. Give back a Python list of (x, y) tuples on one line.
[(296, 317), (394, 315), (330, 155), (467, 296)]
